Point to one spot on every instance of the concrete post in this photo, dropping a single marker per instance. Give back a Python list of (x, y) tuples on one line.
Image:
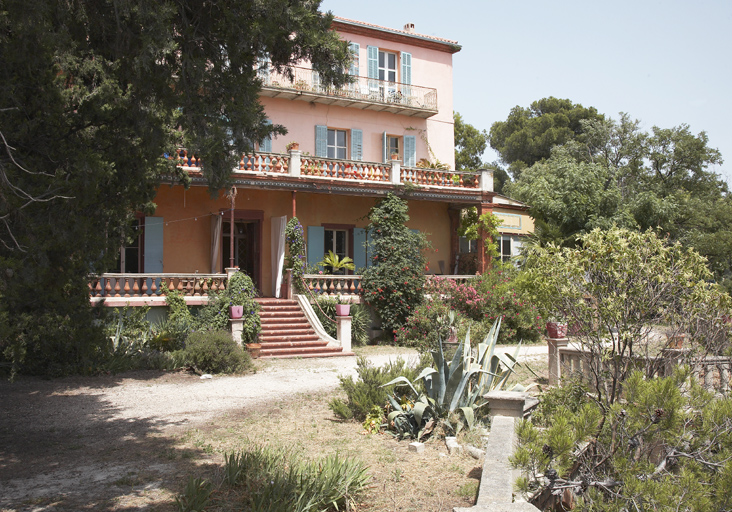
[(555, 370), (230, 271), (295, 165), (343, 332), (237, 327), (486, 180), (396, 172)]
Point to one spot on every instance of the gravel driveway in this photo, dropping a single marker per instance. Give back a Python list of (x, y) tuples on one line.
[(76, 436)]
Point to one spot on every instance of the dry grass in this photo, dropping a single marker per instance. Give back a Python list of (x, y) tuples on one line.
[(400, 480)]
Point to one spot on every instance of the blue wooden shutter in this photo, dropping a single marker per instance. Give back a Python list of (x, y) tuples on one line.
[(321, 141), (356, 144), (266, 145), (316, 244), (354, 69), (410, 151), (153, 257), (406, 76), (406, 68), (373, 62), (384, 148), (359, 248)]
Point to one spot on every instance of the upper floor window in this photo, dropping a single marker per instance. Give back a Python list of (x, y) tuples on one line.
[(387, 66), (337, 143)]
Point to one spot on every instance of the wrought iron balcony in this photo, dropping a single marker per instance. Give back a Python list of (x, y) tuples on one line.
[(364, 93)]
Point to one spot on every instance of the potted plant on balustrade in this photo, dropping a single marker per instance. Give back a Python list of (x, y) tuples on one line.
[(333, 264), (343, 306), (556, 327)]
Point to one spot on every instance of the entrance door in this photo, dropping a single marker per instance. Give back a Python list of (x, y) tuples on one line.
[(246, 247)]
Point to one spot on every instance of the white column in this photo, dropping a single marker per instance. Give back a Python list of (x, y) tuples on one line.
[(294, 168), (486, 180), (396, 172), (343, 332)]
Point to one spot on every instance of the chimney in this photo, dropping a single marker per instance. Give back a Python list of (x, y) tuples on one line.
[(409, 27)]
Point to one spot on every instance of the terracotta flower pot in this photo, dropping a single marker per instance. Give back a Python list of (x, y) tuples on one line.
[(236, 311), (556, 329), (254, 349), (343, 309)]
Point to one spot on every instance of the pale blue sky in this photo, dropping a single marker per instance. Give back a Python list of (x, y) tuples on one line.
[(663, 62)]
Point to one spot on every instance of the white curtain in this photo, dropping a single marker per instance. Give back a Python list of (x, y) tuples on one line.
[(217, 222), (278, 252)]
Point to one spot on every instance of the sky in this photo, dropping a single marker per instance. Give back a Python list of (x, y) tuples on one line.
[(665, 63)]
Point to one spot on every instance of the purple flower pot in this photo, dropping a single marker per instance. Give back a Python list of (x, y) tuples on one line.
[(343, 309), (236, 311)]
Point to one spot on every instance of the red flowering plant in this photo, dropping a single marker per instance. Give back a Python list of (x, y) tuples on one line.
[(426, 326), (488, 297)]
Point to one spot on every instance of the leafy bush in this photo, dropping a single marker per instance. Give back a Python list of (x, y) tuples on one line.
[(394, 284), (367, 392), (429, 323), (241, 292), (216, 352), (488, 297), (360, 320)]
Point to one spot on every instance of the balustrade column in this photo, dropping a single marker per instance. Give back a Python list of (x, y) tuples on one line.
[(486, 180), (396, 172), (295, 162)]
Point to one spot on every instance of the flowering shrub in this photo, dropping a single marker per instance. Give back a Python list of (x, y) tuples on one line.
[(426, 326), (295, 238), (394, 283), (487, 297)]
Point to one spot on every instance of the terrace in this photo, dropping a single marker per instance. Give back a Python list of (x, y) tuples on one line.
[(363, 93)]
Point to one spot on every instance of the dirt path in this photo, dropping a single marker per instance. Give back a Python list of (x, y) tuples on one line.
[(112, 442)]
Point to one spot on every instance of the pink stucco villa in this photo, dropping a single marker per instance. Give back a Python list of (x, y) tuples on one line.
[(354, 145)]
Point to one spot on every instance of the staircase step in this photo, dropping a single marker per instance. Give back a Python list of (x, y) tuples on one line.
[(287, 344), (304, 331), (280, 314), (303, 352), (290, 338)]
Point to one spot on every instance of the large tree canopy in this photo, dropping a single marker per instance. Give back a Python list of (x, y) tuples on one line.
[(528, 135), (613, 173), (94, 93)]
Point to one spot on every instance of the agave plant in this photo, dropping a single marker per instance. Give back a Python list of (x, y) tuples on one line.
[(456, 385)]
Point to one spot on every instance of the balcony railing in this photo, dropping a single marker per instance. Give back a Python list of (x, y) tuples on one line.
[(149, 285), (364, 93), (295, 164)]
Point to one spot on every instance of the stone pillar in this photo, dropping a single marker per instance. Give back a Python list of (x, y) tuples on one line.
[(230, 271), (237, 327), (555, 369), (486, 180), (289, 291), (510, 404), (343, 332), (294, 168), (396, 172)]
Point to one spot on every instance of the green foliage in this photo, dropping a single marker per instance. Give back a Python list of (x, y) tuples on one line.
[(365, 393), (394, 283), (215, 352), (96, 95), (360, 319), (470, 144), (666, 446), (472, 226), (196, 496), (429, 324), (489, 296), (274, 479), (618, 288), (295, 237), (528, 135), (240, 291), (333, 264)]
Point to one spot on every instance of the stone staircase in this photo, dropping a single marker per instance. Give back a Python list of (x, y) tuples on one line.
[(286, 332)]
